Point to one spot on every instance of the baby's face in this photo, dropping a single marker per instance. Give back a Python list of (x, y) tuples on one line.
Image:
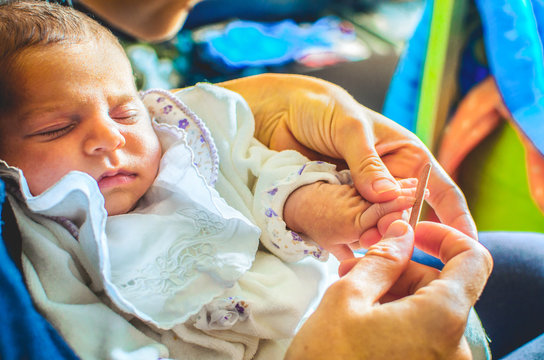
[(81, 111)]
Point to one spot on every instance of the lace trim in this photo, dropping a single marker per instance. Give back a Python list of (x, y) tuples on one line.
[(166, 107)]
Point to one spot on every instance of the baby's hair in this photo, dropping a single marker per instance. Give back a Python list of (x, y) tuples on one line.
[(25, 24)]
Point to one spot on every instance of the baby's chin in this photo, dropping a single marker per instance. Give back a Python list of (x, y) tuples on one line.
[(118, 206)]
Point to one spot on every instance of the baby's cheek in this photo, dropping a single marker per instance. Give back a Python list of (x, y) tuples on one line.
[(41, 179)]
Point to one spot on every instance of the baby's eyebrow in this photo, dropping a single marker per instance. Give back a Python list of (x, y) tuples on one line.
[(125, 99), (40, 111)]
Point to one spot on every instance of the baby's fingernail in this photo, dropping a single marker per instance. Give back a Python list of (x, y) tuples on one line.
[(384, 185), (397, 229)]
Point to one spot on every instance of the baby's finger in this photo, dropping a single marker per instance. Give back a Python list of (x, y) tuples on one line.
[(388, 219), (375, 212), (341, 252), (407, 183), (370, 237)]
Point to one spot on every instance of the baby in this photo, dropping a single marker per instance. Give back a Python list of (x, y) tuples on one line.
[(141, 233)]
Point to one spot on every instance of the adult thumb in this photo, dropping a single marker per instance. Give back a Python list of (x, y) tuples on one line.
[(370, 175), (376, 272)]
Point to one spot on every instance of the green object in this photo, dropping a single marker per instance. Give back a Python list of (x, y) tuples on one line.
[(441, 61), (494, 180)]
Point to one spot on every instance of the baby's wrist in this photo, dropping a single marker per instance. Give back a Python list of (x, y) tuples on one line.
[(296, 207)]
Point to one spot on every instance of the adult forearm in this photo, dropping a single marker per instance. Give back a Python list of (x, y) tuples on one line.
[(147, 20)]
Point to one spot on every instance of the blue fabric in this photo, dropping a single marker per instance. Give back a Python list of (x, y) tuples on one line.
[(534, 350), (24, 333), (513, 37), (513, 31), (403, 94)]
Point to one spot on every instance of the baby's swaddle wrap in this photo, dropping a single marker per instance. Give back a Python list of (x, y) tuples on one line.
[(157, 281)]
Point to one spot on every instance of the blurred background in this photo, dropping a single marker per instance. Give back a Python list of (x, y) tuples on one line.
[(353, 43)]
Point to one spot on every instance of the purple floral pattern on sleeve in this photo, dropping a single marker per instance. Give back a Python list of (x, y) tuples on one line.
[(285, 243), (270, 213)]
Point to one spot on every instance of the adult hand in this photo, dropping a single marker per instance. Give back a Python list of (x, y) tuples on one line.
[(387, 307), (323, 122)]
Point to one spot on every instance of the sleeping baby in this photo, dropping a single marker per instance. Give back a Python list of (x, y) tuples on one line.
[(153, 224)]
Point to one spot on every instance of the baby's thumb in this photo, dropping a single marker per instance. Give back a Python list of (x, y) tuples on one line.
[(383, 263)]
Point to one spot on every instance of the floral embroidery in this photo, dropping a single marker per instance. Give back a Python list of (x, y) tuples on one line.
[(270, 212), (273, 191), (296, 237), (173, 112), (169, 272), (183, 124), (167, 109), (302, 169), (222, 314), (207, 223)]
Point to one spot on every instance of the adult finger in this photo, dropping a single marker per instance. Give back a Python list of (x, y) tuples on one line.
[(375, 273), (412, 279), (449, 203), (467, 263), (370, 176)]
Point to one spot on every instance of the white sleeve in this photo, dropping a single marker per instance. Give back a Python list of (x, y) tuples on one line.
[(252, 178)]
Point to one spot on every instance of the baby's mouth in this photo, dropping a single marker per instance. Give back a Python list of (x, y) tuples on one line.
[(115, 178)]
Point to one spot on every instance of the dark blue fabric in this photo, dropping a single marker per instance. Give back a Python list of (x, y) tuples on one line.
[(510, 307), (24, 333)]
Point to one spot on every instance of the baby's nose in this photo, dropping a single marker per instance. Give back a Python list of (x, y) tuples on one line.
[(104, 136)]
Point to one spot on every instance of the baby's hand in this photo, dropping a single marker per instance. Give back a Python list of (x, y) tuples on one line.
[(337, 218)]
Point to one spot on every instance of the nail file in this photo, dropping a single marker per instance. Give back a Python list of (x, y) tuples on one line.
[(420, 194)]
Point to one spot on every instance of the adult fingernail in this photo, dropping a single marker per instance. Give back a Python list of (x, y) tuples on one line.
[(396, 229), (384, 185)]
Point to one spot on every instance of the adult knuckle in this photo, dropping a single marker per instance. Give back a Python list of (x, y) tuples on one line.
[(385, 250)]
